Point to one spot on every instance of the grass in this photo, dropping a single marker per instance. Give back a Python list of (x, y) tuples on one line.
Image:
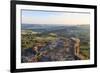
[(85, 50)]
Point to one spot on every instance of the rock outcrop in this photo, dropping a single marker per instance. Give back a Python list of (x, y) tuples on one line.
[(68, 50), (59, 50)]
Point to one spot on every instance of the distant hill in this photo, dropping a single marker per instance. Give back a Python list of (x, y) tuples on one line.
[(79, 31), (46, 28), (40, 28)]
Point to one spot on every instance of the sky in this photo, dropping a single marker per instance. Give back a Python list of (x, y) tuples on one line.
[(52, 18)]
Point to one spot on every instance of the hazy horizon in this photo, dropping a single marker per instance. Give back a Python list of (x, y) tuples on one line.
[(54, 18), (55, 24)]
